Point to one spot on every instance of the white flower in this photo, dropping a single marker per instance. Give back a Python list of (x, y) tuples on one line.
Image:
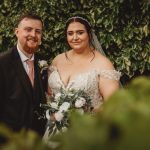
[(48, 115), (58, 116), (43, 63), (80, 102), (64, 107), (57, 96), (54, 105)]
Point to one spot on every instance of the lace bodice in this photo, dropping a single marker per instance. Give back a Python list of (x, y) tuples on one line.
[(87, 81)]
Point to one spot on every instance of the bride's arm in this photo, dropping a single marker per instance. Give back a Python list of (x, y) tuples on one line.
[(108, 87), (108, 79)]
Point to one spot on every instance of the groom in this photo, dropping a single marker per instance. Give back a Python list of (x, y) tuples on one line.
[(21, 90)]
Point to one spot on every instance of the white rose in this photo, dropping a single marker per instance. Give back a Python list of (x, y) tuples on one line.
[(64, 107), (57, 96), (54, 105), (80, 102), (43, 63), (58, 116)]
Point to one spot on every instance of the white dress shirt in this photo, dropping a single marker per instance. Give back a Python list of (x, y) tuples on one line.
[(24, 58)]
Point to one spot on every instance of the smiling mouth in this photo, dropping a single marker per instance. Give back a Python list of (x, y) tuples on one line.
[(32, 39), (76, 43)]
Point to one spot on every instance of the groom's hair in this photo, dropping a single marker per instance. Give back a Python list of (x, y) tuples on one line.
[(29, 15)]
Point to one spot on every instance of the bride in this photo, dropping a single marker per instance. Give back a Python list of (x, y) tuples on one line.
[(83, 67)]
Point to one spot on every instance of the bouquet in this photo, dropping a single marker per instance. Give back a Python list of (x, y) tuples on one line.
[(61, 106)]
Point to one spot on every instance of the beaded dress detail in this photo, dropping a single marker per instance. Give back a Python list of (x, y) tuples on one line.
[(87, 81)]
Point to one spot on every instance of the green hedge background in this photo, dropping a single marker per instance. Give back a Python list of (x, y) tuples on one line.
[(122, 27)]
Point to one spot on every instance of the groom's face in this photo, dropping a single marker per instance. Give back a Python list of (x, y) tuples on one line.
[(29, 33)]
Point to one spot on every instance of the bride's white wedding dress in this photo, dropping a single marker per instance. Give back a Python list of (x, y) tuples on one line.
[(87, 81)]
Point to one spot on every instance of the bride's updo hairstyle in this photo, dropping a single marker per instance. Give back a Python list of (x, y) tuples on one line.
[(86, 24)]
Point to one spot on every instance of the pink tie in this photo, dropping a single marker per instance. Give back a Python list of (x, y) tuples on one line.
[(30, 64)]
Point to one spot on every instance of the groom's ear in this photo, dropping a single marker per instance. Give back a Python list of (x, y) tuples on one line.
[(16, 32)]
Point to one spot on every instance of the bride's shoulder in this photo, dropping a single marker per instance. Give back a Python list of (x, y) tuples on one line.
[(57, 59), (54, 63), (60, 57), (105, 67), (102, 61)]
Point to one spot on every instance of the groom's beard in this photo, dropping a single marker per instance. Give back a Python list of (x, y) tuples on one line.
[(31, 45)]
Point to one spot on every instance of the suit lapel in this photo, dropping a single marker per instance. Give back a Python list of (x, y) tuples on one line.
[(38, 87), (22, 75)]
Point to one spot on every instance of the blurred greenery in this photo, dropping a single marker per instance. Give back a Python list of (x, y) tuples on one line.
[(122, 27), (23, 140), (122, 124)]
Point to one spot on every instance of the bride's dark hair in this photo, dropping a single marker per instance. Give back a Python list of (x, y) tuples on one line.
[(87, 26)]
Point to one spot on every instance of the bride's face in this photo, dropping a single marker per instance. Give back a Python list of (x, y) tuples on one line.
[(77, 36)]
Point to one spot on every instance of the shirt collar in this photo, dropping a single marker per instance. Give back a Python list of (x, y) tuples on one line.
[(23, 56)]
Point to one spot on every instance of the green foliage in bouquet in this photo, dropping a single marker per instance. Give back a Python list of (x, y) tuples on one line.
[(123, 124), (122, 27)]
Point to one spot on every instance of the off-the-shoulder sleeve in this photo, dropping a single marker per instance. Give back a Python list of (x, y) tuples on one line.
[(110, 74)]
